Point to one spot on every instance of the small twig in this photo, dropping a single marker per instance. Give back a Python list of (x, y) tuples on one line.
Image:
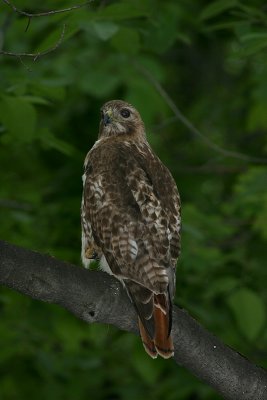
[(24, 64), (35, 56), (46, 13), (28, 24), (180, 116)]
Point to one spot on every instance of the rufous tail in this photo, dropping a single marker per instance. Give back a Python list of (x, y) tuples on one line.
[(148, 343), (161, 344)]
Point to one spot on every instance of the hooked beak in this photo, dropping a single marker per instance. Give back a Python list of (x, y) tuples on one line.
[(107, 118)]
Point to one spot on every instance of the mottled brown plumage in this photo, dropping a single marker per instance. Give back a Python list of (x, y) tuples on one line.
[(131, 220)]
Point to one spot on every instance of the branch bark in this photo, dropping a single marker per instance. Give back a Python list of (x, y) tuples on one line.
[(97, 297)]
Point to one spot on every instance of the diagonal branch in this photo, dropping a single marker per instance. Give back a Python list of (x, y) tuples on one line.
[(45, 13), (191, 127), (97, 297)]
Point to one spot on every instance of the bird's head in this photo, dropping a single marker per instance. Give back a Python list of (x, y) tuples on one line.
[(120, 118)]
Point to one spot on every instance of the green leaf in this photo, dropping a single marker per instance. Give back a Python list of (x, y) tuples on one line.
[(252, 11), (99, 83), (163, 32), (36, 100), (17, 89), (19, 117), (144, 96), (252, 36), (104, 29), (217, 7), (52, 89), (121, 11), (126, 41), (250, 192), (249, 311), (146, 368), (225, 25), (257, 117), (51, 141), (260, 223), (52, 39), (221, 285), (252, 43), (249, 43)]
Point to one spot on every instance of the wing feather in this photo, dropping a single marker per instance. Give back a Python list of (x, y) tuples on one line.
[(133, 207)]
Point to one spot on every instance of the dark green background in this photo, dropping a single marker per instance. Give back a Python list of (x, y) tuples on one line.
[(211, 59)]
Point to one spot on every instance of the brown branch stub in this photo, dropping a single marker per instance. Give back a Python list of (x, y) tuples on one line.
[(46, 13), (95, 296), (35, 56)]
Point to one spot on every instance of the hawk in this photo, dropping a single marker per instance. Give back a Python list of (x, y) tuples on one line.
[(130, 216)]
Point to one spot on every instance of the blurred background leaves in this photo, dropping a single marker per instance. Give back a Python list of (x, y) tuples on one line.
[(211, 59)]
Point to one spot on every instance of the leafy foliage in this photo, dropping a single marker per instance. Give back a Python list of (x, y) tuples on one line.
[(211, 59)]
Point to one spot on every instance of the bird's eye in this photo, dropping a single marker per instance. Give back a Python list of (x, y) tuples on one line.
[(125, 113)]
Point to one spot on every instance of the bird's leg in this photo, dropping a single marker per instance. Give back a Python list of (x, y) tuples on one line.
[(91, 252)]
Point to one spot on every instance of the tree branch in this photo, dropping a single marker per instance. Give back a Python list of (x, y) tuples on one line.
[(35, 56), (41, 14), (45, 13), (97, 297), (190, 126)]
